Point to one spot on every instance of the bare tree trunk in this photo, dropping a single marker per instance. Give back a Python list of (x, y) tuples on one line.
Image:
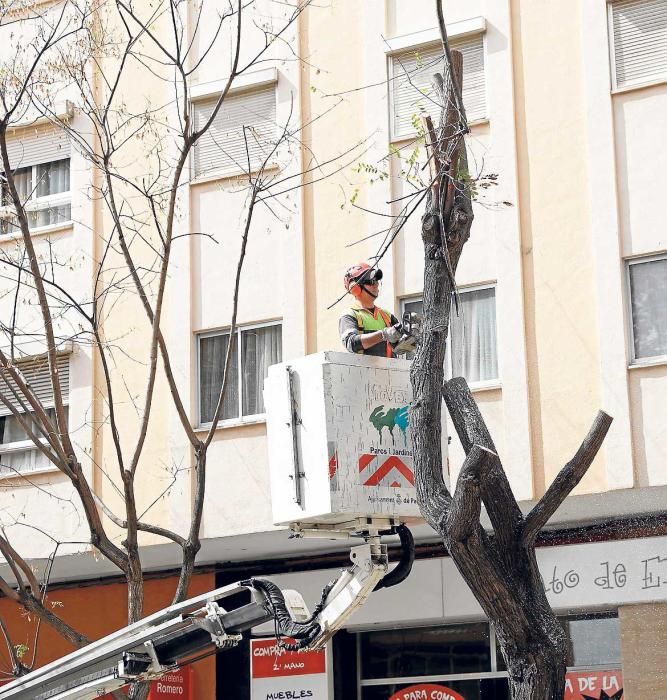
[(499, 567)]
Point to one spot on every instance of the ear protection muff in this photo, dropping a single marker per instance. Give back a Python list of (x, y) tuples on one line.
[(356, 277)]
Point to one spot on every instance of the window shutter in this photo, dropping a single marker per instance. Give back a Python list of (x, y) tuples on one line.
[(36, 374), (35, 145), (412, 73), (640, 41), (223, 146)]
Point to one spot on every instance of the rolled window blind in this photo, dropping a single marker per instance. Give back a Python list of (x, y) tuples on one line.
[(412, 73), (225, 147), (640, 41), (36, 374), (34, 145)]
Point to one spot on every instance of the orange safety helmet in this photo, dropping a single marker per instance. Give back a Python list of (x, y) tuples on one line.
[(356, 275)]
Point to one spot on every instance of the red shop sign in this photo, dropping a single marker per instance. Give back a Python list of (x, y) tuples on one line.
[(427, 691), (272, 661), (175, 684), (594, 685)]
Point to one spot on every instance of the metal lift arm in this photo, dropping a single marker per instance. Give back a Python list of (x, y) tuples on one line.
[(171, 637)]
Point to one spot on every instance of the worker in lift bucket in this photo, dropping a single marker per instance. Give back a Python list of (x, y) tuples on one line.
[(366, 328)]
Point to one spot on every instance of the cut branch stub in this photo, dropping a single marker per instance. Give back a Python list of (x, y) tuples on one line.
[(463, 516), (496, 492)]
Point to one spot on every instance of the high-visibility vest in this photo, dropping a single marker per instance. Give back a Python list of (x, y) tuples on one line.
[(369, 322)]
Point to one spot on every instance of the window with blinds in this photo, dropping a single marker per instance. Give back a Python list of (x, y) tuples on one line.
[(40, 161), (472, 344), (412, 93), (638, 32), (18, 454), (255, 350), (242, 135)]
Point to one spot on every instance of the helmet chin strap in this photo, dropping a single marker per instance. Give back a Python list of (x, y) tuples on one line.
[(368, 291)]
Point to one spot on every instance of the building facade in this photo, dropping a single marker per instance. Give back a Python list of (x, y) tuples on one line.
[(562, 311)]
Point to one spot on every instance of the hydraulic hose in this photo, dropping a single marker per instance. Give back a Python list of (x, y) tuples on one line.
[(303, 632), (401, 571)]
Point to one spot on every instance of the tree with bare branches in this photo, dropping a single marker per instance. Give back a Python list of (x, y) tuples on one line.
[(95, 54), (500, 566)]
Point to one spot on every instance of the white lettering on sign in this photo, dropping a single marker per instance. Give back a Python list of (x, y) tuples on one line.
[(599, 682), (169, 689), (275, 650), (434, 694), (280, 674)]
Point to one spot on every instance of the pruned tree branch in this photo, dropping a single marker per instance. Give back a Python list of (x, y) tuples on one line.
[(568, 478), (503, 510)]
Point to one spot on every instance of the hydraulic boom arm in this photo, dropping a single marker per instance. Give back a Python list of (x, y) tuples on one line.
[(177, 635)]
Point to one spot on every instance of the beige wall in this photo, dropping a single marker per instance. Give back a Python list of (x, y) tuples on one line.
[(559, 292), (640, 123), (335, 66), (644, 650)]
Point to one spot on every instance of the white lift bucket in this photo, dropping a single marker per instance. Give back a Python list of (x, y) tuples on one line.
[(339, 440)]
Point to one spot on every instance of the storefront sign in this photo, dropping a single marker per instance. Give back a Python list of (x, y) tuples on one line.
[(427, 691), (594, 685), (598, 574), (610, 573), (278, 674), (175, 684)]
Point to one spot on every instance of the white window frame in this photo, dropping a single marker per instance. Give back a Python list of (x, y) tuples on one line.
[(34, 203), (240, 419), (25, 445), (636, 362), (615, 88), (427, 41), (243, 85), (474, 386)]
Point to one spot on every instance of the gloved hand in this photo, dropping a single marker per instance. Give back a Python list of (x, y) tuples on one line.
[(392, 334), (408, 343)]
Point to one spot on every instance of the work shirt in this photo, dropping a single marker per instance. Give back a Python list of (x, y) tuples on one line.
[(356, 322)]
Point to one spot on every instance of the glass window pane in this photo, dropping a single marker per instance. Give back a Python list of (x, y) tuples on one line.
[(212, 353), (473, 336), (11, 429), (22, 182), (52, 178), (413, 306), (648, 291), (50, 216), (262, 347), (593, 641), (22, 461), (425, 651), (472, 340)]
